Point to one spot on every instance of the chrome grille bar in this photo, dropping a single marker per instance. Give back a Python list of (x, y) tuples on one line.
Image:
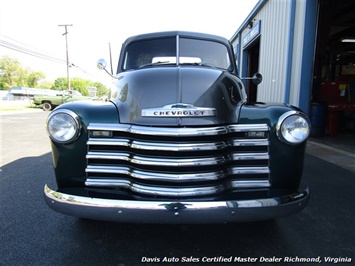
[(176, 162), (205, 146), (164, 146), (174, 191), (178, 132), (173, 177)]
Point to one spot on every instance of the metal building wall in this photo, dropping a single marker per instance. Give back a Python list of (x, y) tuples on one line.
[(281, 49), (275, 18), (296, 67)]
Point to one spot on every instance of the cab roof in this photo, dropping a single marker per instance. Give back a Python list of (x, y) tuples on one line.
[(177, 33)]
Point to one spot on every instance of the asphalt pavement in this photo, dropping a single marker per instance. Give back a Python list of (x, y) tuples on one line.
[(338, 150), (32, 234)]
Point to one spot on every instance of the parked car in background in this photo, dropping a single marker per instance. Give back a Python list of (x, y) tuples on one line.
[(177, 142), (49, 102)]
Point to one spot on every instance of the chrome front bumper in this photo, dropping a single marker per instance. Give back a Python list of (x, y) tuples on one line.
[(182, 212)]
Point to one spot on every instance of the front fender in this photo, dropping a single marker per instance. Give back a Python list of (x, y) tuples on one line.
[(286, 161), (63, 154)]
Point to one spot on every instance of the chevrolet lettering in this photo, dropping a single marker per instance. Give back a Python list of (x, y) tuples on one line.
[(178, 142), (178, 110)]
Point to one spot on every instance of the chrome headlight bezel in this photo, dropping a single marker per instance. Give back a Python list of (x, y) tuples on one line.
[(63, 126), (287, 125)]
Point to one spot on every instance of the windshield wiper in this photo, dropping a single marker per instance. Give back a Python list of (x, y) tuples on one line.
[(155, 64), (202, 64)]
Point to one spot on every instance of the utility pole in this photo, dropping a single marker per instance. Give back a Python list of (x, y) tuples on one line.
[(66, 45)]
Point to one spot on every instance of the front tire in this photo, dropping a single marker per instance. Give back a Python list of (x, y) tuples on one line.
[(47, 107)]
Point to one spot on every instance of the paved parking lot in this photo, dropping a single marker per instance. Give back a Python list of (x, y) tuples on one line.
[(32, 234)]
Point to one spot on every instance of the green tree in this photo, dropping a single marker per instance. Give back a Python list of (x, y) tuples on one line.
[(80, 85), (34, 78), (101, 89), (46, 84), (12, 73), (60, 84)]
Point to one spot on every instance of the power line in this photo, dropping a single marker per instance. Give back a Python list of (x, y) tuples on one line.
[(23, 44), (26, 49), (29, 50)]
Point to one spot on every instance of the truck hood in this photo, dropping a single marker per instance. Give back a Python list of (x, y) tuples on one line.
[(177, 96)]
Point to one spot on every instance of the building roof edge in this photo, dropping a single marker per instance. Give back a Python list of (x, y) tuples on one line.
[(255, 10)]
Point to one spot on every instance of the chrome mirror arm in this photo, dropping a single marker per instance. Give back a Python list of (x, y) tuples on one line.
[(257, 78)]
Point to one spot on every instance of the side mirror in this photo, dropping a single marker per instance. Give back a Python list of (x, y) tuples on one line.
[(257, 78), (101, 64)]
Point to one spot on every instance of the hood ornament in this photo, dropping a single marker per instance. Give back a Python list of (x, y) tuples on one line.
[(179, 110)]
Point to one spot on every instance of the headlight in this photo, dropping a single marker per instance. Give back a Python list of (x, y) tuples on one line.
[(63, 126), (293, 127)]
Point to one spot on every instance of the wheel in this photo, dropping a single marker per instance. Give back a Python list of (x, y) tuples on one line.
[(47, 106)]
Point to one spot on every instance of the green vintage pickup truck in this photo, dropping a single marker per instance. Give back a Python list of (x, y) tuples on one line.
[(50, 102), (177, 142)]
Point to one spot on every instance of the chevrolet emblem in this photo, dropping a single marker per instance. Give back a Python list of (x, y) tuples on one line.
[(179, 110)]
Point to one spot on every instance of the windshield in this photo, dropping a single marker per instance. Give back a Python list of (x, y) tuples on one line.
[(204, 52), (161, 51)]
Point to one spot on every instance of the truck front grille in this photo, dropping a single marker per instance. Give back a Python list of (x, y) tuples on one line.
[(177, 162)]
